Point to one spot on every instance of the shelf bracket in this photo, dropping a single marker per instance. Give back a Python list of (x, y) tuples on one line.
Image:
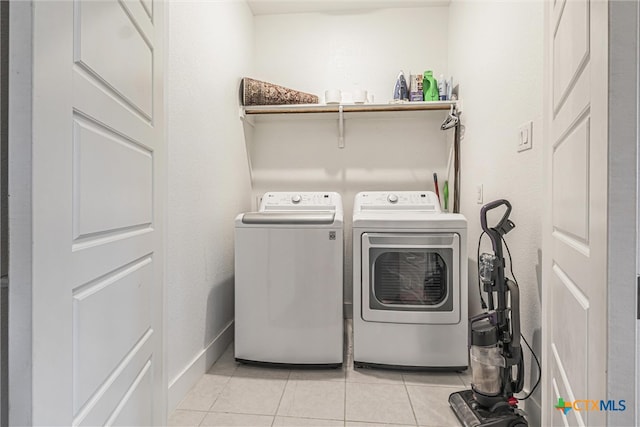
[(458, 106), (340, 127), (245, 118)]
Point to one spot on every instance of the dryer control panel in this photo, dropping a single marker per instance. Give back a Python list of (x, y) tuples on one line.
[(287, 201), (397, 200)]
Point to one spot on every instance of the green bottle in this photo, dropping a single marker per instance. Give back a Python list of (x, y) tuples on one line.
[(429, 87)]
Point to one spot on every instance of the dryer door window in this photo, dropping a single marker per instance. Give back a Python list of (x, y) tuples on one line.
[(411, 278)]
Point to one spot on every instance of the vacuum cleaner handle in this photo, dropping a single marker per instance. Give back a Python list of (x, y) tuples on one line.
[(504, 225), (515, 312)]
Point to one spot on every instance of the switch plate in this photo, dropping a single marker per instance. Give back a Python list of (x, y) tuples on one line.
[(479, 193), (525, 136)]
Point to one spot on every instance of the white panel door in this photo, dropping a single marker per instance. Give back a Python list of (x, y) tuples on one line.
[(575, 236), (98, 175)]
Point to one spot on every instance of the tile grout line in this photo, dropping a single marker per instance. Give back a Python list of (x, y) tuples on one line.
[(406, 389), (349, 344), (284, 389), (222, 389), (203, 418), (189, 410), (344, 412)]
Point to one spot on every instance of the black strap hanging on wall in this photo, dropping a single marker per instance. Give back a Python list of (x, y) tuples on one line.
[(453, 121), (456, 168)]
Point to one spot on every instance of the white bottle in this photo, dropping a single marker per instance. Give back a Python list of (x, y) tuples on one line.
[(442, 88)]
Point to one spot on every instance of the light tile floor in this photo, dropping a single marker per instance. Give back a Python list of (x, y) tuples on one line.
[(232, 394)]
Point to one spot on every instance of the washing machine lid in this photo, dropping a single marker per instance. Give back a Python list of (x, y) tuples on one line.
[(296, 209), (291, 218)]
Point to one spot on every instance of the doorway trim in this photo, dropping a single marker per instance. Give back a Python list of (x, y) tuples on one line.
[(20, 210), (622, 207)]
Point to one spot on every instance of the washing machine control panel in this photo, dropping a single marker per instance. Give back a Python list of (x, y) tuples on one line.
[(397, 200), (295, 201)]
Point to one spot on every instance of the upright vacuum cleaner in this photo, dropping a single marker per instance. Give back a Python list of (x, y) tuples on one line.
[(494, 343)]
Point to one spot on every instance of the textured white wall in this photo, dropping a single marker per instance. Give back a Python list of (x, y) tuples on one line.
[(318, 51), (494, 49), (347, 50), (496, 53), (210, 48)]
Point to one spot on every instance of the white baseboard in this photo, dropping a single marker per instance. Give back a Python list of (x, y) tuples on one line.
[(199, 365), (532, 408)]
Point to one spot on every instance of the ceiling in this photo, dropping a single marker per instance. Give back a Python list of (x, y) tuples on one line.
[(269, 7)]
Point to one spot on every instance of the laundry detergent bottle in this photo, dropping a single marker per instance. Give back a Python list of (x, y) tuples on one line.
[(429, 86)]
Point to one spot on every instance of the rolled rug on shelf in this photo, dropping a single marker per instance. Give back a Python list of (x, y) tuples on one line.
[(256, 92)]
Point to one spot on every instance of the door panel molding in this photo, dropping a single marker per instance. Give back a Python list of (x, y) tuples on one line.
[(575, 228), (111, 47), (89, 176), (570, 49)]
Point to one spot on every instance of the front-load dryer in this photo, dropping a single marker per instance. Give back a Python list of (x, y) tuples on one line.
[(409, 282), (289, 280)]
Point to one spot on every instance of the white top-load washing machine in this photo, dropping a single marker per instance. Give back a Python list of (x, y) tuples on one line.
[(409, 282), (289, 280)]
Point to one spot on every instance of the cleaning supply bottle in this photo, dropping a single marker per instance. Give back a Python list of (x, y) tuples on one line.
[(400, 91), (442, 88), (429, 86)]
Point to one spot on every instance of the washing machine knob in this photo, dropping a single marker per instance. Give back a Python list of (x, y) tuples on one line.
[(392, 198), (296, 199)]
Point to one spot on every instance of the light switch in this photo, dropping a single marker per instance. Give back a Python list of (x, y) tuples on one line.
[(525, 136)]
